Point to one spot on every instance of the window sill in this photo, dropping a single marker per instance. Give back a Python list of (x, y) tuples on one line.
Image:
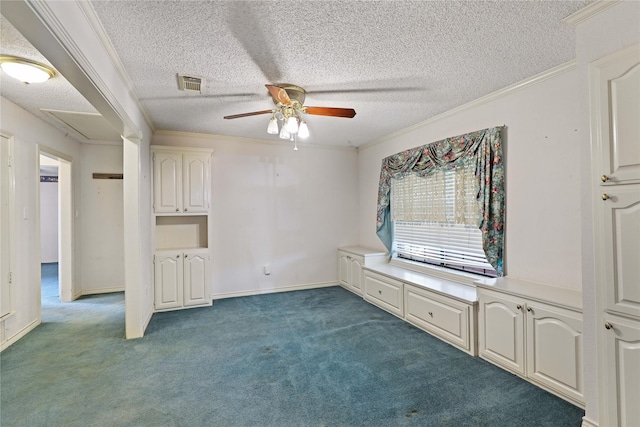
[(441, 272)]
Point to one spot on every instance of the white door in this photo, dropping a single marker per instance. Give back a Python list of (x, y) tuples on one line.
[(196, 171), (167, 182), (355, 274), (343, 269), (5, 246), (554, 349), (616, 84), (196, 289), (501, 324), (168, 279), (620, 251), (623, 371)]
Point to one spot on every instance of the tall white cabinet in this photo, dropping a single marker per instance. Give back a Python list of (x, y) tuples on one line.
[(615, 135), (181, 214)]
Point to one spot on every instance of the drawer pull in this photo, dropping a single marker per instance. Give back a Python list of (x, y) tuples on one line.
[(380, 292), (605, 197), (431, 314), (604, 178), (608, 325)]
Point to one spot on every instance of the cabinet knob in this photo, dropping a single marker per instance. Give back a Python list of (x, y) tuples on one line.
[(380, 292), (604, 178), (529, 309), (431, 314), (519, 307), (185, 209), (605, 197), (185, 255), (177, 256), (177, 210), (608, 325)]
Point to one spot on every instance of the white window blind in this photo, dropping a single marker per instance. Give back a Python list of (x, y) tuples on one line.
[(436, 220)]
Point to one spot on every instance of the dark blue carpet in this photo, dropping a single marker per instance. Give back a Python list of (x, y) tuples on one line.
[(322, 357)]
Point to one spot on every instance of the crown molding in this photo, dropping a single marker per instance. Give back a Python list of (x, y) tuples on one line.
[(552, 72), (227, 138), (588, 12)]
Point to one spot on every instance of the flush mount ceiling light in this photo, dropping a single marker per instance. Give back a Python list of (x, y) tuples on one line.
[(26, 70)]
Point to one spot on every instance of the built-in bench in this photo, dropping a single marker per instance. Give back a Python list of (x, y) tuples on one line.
[(438, 306)]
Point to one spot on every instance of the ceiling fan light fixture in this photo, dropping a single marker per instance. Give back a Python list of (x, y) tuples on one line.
[(26, 70), (273, 126), (292, 124), (284, 133), (303, 130)]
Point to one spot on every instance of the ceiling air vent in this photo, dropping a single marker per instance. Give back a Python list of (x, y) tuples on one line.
[(190, 84)]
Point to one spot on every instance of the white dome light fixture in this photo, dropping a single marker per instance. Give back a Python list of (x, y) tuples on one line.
[(26, 70)]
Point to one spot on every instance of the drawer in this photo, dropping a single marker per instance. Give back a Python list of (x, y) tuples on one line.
[(444, 317), (384, 292)]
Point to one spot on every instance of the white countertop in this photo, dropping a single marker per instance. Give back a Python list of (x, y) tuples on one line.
[(445, 287), (541, 292), (359, 250)]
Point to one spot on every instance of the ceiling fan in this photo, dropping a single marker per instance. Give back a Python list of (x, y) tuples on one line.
[(289, 101)]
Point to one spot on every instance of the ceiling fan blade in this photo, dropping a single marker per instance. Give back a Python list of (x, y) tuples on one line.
[(279, 95), (255, 113), (333, 112)]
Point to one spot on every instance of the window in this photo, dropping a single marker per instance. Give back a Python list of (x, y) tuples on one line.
[(435, 220), (481, 148)]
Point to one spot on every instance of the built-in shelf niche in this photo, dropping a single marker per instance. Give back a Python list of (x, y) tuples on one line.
[(181, 232)]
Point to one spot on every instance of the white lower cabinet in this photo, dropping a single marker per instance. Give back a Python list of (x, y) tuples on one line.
[(181, 279), (351, 260), (538, 341), (451, 320), (622, 374)]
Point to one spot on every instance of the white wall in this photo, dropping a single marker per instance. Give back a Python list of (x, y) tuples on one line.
[(607, 32), (48, 222), (28, 132), (272, 205), (541, 149), (101, 223)]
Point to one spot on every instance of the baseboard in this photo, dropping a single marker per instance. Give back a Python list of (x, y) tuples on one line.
[(274, 290), (586, 422), (101, 291), (24, 331)]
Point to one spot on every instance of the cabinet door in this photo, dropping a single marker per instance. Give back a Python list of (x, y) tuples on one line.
[(168, 280), (343, 269), (196, 172), (622, 342), (616, 87), (554, 349), (167, 182), (355, 274), (384, 292), (196, 278), (501, 330), (619, 251)]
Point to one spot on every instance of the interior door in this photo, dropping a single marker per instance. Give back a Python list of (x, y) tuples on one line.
[(5, 238)]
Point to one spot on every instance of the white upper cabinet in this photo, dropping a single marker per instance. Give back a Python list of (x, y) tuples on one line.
[(615, 100), (181, 182)]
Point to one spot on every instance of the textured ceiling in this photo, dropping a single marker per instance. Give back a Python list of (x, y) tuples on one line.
[(395, 63)]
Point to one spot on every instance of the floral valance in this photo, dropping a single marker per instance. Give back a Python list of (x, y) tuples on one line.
[(484, 149)]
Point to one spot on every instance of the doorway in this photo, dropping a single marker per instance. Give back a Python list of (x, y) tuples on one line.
[(56, 219)]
